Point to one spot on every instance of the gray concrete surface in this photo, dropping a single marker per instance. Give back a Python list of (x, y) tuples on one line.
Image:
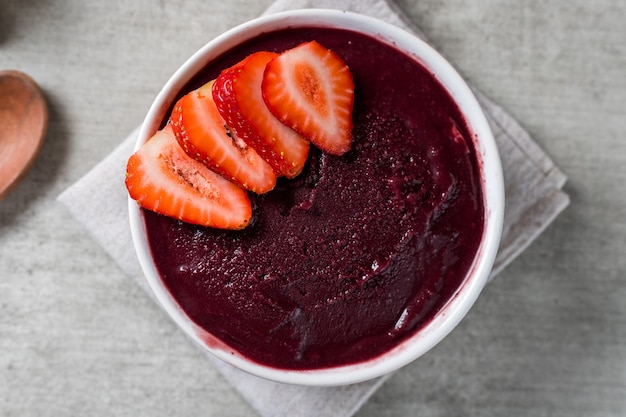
[(547, 338)]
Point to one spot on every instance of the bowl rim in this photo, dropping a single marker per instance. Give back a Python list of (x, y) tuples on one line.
[(489, 165)]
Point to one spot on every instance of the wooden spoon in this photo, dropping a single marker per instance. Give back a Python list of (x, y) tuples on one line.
[(23, 125)]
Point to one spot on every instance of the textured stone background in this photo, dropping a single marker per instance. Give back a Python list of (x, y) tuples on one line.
[(547, 338)]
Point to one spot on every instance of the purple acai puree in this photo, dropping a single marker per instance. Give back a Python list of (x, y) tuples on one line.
[(359, 252)]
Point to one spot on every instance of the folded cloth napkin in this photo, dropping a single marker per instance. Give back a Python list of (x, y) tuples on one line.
[(533, 199)]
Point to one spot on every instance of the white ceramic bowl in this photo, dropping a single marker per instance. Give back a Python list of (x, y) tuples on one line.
[(489, 163)]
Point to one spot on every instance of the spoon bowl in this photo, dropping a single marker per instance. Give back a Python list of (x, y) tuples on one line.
[(23, 125)]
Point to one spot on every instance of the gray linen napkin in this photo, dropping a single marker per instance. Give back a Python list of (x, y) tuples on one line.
[(533, 199)]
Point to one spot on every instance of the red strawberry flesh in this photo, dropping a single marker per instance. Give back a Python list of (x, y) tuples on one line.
[(162, 178), (311, 89), (203, 134), (239, 100)]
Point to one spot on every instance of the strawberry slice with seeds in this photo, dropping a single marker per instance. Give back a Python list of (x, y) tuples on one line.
[(311, 89), (239, 100), (203, 134), (161, 177)]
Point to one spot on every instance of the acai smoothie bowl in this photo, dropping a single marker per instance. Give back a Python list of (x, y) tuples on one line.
[(316, 197)]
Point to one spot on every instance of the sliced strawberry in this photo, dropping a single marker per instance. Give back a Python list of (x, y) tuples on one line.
[(239, 99), (161, 177), (203, 134), (310, 89)]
